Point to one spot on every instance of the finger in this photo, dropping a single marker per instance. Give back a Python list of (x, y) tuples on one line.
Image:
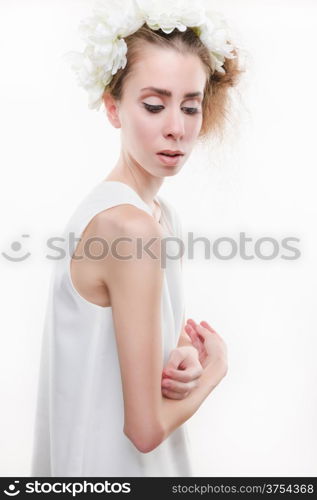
[(173, 365), (174, 395), (207, 325), (193, 334), (182, 358), (174, 360), (193, 325), (181, 387), (191, 322), (177, 386), (203, 323), (185, 375), (196, 342)]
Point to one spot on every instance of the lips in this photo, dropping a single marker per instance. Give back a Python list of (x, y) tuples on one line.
[(170, 153), (168, 159)]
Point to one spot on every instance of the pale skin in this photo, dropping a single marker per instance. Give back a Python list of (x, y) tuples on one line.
[(157, 398)]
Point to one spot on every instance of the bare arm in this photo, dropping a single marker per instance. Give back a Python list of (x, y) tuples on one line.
[(135, 287)]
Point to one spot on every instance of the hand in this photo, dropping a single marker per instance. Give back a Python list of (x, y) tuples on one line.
[(210, 346), (181, 373)]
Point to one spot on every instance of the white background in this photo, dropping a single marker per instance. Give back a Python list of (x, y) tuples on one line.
[(261, 180)]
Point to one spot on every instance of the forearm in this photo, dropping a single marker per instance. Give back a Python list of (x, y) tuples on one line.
[(175, 412)]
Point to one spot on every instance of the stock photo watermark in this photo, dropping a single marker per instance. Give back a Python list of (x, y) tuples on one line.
[(244, 247)]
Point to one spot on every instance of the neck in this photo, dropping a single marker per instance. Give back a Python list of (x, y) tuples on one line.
[(130, 172)]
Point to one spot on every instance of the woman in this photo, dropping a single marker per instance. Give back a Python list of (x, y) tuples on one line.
[(121, 372)]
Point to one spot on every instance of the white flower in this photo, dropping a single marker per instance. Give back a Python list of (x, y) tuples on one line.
[(106, 49), (113, 20), (169, 15), (214, 34), (122, 17)]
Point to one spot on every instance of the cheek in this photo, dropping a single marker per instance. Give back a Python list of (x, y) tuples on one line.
[(194, 126), (145, 129)]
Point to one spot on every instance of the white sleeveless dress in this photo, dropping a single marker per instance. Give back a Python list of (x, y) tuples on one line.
[(79, 413)]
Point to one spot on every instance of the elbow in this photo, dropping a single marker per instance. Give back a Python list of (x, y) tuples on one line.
[(145, 441)]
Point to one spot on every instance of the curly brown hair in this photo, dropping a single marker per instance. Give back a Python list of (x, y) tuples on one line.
[(216, 103)]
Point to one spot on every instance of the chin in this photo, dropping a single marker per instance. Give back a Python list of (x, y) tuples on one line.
[(170, 171)]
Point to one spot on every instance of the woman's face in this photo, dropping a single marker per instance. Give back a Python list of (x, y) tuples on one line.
[(161, 109)]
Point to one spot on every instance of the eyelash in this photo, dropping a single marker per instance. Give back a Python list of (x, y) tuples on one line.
[(156, 109)]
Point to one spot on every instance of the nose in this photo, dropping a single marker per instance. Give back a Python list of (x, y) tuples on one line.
[(174, 126)]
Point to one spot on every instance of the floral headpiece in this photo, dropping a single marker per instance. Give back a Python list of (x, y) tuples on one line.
[(113, 20)]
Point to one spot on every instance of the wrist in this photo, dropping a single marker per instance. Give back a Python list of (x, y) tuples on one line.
[(214, 372)]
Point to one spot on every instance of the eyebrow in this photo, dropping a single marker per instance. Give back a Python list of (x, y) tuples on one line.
[(168, 93)]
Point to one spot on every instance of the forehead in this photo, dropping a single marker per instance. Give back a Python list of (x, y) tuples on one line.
[(168, 69)]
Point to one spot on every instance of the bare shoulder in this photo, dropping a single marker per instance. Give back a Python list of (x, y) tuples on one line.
[(125, 220), (131, 235)]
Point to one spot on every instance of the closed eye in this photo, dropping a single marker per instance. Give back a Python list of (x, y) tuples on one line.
[(191, 111), (152, 108), (156, 109)]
